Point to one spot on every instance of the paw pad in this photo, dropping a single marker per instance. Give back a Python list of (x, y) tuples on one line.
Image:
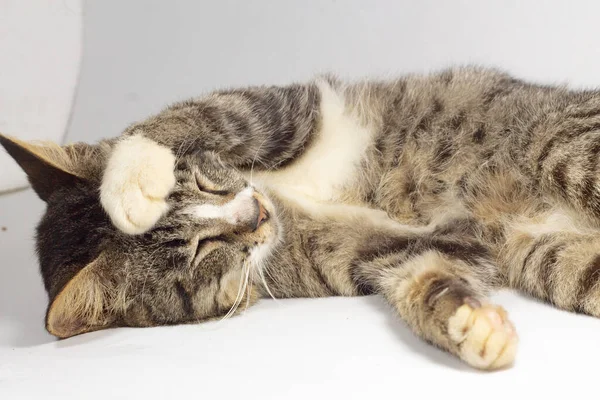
[(484, 336)]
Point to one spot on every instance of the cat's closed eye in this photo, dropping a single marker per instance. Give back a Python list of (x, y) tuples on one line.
[(207, 187), (204, 246)]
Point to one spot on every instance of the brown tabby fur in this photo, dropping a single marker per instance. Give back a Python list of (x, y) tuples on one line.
[(497, 177)]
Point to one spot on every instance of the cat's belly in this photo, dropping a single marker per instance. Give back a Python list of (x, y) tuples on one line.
[(330, 165)]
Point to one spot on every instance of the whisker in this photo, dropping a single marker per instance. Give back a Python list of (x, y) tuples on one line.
[(144, 287), (240, 294), (264, 281), (248, 290)]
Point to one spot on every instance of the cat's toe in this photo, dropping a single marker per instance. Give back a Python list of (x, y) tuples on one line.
[(135, 213), (484, 336), (157, 181)]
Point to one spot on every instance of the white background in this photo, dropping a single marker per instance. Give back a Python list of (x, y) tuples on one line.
[(140, 55), (40, 55)]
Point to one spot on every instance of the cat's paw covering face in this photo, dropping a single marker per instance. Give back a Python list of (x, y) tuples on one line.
[(138, 178)]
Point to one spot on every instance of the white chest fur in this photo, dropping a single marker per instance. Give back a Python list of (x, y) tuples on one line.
[(331, 161)]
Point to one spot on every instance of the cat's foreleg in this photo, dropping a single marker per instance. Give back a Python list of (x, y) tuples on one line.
[(439, 288), (259, 127)]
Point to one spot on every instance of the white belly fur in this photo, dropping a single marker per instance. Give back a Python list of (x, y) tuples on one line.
[(331, 161)]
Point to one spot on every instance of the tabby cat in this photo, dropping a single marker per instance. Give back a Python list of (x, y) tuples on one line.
[(430, 191)]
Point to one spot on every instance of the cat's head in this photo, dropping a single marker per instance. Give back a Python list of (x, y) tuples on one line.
[(185, 269)]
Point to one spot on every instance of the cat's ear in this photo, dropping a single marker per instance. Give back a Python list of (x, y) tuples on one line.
[(82, 305), (48, 166)]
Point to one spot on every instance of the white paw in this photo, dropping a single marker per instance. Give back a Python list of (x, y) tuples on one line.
[(486, 338), (138, 178)]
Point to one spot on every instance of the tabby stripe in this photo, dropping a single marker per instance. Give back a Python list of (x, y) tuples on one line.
[(457, 120), (308, 246), (425, 121), (398, 145), (186, 301), (238, 123), (434, 289), (175, 243), (559, 176), (588, 191), (470, 252), (496, 93), (588, 280), (545, 153), (585, 114), (323, 279), (410, 186), (150, 315), (443, 152), (164, 229), (363, 288), (479, 135), (382, 246), (546, 269), (447, 76), (588, 186), (209, 116), (549, 146), (464, 227), (216, 305), (535, 246), (451, 290), (582, 129)]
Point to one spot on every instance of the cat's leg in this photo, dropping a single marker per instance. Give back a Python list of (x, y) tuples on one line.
[(555, 262), (439, 287), (262, 128)]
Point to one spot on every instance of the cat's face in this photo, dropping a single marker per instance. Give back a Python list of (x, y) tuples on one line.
[(194, 264), (197, 260)]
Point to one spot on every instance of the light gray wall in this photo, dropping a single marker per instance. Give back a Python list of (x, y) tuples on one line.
[(142, 54)]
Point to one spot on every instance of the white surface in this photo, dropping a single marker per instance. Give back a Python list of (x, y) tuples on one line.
[(142, 54), (40, 54)]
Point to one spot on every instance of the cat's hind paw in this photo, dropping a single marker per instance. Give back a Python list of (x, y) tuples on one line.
[(138, 178), (484, 336)]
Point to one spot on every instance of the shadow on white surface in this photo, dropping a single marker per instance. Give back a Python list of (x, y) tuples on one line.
[(412, 342), (91, 338)]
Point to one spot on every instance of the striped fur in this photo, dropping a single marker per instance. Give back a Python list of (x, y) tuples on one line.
[(430, 191)]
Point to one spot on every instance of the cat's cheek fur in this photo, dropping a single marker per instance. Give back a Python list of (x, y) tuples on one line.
[(260, 254), (137, 180)]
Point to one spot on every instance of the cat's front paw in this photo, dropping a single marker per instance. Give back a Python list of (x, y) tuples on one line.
[(485, 337), (138, 178)]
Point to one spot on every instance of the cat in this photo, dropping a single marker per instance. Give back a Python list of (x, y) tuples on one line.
[(428, 190)]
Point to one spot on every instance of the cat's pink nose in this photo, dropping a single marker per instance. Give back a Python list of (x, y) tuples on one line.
[(263, 214)]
